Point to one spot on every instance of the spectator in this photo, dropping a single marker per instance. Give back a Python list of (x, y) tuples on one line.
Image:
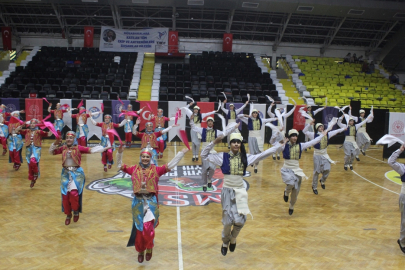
[(394, 78), (371, 67), (355, 58), (360, 59), (351, 59), (365, 67), (347, 57)]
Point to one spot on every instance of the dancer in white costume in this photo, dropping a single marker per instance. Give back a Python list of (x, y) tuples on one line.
[(232, 114), (363, 140)]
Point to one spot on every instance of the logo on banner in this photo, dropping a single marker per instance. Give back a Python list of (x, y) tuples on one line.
[(161, 34), (33, 110), (181, 187), (398, 126), (117, 108), (11, 107), (109, 35), (93, 110)]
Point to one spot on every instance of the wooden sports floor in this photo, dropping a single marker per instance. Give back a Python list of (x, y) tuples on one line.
[(352, 224)]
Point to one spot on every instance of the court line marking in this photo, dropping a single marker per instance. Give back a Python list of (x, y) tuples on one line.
[(374, 183), (179, 247), (376, 159)]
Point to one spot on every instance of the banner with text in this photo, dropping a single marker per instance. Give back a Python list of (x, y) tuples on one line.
[(12, 104), (67, 119), (93, 106), (327, 115), (33, 108), (124, 40), (115, 108), (397, 125)]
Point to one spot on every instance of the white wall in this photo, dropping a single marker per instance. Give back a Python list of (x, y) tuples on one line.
[(401, 77)]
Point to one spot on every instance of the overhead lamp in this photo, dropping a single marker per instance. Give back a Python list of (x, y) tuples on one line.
[(89, 1)]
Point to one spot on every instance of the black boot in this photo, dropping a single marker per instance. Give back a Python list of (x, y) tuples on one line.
[(209, 185), (285, 197), (290, 211), (232, 247), (322, 184), (193, 159), (224, 250), (315, 191), (204, 188)]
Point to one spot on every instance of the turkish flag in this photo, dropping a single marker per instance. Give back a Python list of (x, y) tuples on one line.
[(227, 43), (33, 108), (299, 120), (173, 42), (88, 36), (6, 35), (150, 107), (206, 107)]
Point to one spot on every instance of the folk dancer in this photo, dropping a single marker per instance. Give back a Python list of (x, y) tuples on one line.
[(197, 117), (322, 160), (308, 121), (231, 115), (58, 114), (208, 135), (129, 124), (72, 177), (145, 210), (363, 140), (149, 136), (255, 140), (234, 197), (3, 133), (15, 142), (291, 173), (107, 156), (82, 130), (278, 127), (33, 144), (160, 121), (6, 114), (350, 146)]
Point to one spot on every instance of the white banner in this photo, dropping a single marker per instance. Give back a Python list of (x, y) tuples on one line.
[(124, 40), (262, 112), (67, 119), (396, 125), (173, 107), (94, 106)]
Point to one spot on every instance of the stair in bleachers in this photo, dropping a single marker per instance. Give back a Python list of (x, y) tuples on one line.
[(291, 91), (145, 84)]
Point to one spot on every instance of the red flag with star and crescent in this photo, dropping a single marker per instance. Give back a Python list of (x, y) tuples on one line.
[(6, 35), (88, 36), (227, 42)]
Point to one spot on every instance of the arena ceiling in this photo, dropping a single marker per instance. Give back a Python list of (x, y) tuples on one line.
[(366, 23)]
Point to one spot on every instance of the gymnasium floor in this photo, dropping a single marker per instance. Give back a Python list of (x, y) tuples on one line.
[(353, 224)]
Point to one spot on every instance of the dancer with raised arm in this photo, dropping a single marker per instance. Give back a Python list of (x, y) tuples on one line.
[(279, 125), (160, 121), (3, 133), (129, 124), (291, 173), (58, 114), (234, 197), (232, 115), (149, 136), (255, 140), (72, 177), (15, 141), (82, 130), (33, 144), (308, 121), (107, 140), (197, 118), (145, 209), (208, 135), (363, 140), (322, 160), (350, 146)]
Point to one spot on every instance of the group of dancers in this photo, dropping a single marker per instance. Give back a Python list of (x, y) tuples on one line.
[(233, 164)]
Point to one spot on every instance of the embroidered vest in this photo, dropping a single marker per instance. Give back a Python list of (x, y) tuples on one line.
[(36, 139), (255, 124), (231, 114), (13, 126), (75, 154), (232, 166), (160, 121), (197, 118), (151, 138), (58, 114), (83, 116), (208, 135), (292, 151), (106, 127), (150, 176), (351, 131), (323, 143), (361, 119)]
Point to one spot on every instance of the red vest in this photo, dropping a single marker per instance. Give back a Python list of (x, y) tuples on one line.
[(149, 174)]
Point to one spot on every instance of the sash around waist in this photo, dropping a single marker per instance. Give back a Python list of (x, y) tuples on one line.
[(255, 133), (233, 181)]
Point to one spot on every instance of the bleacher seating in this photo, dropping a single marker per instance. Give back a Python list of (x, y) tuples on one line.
[(319, 77), (71, 73)]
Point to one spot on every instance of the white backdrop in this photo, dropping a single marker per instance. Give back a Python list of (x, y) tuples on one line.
[(67, 119), (396, 125), (173, 106), (94, 106)]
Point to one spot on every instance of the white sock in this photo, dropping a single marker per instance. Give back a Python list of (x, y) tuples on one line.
[(224, 245), (233, 240)]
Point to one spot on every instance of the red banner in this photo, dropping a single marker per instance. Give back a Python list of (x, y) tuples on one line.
[(33, 108), (149, 105), (206, 107), (299, 120), (6, 35), (227, 43), (88, 36), (173, 42)]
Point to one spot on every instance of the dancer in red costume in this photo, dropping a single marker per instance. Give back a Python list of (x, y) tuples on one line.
[(149, 136), (145, 210), (3, 133), (15, 141), (82, 129), (129, 124), (58, 114), (33, 143), (160, 121), (72, 177), (107, 156)]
